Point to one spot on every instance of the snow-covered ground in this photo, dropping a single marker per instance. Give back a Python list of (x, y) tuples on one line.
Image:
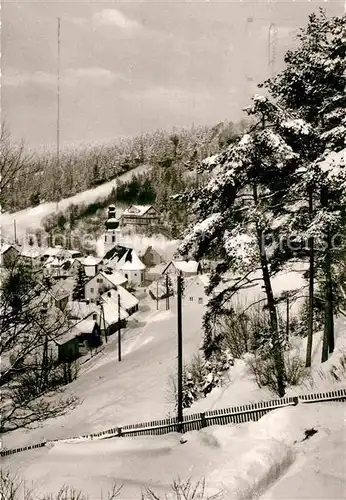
[(134, 390), (265, 458), (31, 218), (137, 389), (269, 459)]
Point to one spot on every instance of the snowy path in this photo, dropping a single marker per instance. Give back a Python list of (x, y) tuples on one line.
[(31, 218)]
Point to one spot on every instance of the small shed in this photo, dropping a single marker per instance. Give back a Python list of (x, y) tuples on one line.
[(68, 347), (8, 255)]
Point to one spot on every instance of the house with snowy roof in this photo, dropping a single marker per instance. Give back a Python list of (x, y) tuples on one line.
[(125, 261), (155, 273), (31, 256), (140, 215), (188, 267), (112, 314), (88, 332), (151, 257), (91, 264), (61, 293), (131, 266), (194, 292), (101, 282)]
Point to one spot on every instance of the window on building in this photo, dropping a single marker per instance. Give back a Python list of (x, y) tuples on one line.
[(200, 300), (99, 280), (91, 290), (135, 274), (191, 299), (106, 238), (113, 239), (126, 276)]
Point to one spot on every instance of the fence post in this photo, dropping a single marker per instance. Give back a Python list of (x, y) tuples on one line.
[(119, 431), (203, 420)]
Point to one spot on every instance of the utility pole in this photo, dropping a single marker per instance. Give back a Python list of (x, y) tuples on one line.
[(102, 320), (180, 354), (45, 350), (15, 231), (287, 318), (167, 292), (58, 113), (119, 329)]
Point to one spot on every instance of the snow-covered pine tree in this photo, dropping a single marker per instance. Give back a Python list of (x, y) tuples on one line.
[(313, 86), (238, 209), (78, 290)]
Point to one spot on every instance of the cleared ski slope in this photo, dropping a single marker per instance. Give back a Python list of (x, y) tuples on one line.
[(31, 218)]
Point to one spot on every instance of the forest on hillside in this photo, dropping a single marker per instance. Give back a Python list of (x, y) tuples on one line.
[(29, 179)]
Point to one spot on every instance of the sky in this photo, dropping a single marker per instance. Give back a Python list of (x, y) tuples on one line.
[(130, 67)]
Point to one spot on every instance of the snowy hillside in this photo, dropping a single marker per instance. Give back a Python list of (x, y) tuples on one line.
[(31, 218)]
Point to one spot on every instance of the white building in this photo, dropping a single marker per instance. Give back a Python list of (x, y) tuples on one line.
[(91, 265), (131, 267), (101, 283), (186, 267), (195, 290)]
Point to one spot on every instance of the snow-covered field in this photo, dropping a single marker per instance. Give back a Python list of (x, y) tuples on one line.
[(31, 218), (268, 459)]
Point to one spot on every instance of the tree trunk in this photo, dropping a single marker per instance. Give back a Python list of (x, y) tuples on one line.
[(311, 292), (278, 357), (328, 337), (329, 318)]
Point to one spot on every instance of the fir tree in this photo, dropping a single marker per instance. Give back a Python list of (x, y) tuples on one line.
[(78, 290), (313, 87)]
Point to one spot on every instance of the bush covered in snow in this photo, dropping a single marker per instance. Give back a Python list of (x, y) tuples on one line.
[(200, 377)]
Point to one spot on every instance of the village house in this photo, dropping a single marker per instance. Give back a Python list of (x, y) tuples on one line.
[(70, 267), (188, 267), (9, 255), (88, 332), (155, 273), (194, 292), (151, 257), (131, 267), (140, 216), (127, 300), (31, 257), (126, 261), (91, 264), (102, 282), (61, 293), (111, 316), (59, 253)]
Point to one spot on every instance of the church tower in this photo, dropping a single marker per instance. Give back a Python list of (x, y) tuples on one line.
[(112, 234)]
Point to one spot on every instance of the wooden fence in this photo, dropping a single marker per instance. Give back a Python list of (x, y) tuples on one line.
[(235, 415)]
